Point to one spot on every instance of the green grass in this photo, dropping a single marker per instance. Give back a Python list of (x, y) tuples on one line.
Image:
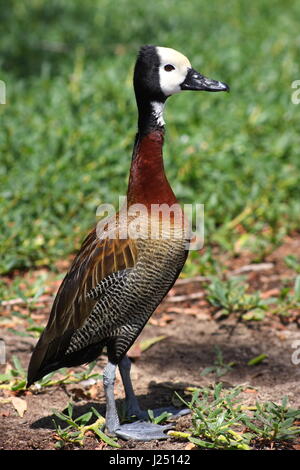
[(293, 263), (230, 296), (69, 123), (75, 432), (219, 368), (221, 421), (14, 378)]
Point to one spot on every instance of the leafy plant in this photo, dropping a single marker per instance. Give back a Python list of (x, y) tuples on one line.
[(29, 290), (33, 329), (77, 428), (219, 368), (70, 376), (217, 419), (221, 421), (272, 422), (230, 296), (158, 419), (15, 377), (293, 262), (288, 300)]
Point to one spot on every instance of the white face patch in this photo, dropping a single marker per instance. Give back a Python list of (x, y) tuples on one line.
[(170, 81)]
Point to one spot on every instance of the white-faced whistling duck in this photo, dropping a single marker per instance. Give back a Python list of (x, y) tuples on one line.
[(115, 283)]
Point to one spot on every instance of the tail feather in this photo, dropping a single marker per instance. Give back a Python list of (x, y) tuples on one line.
[(48, 358)]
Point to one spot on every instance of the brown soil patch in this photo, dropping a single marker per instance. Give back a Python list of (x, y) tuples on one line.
[(191, 331)]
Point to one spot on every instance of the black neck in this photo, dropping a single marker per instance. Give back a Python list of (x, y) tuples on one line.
[(150, 116)]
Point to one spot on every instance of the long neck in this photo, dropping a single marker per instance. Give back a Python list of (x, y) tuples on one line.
[(150, 116), (148, 183)]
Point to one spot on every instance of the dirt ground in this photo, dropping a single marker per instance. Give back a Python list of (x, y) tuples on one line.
[(192, 329)]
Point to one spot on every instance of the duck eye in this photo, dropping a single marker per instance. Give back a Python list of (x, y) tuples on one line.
[(169, 67)]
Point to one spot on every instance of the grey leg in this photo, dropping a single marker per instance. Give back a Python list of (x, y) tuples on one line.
[(139, 430), (132, 405), (111, 419)]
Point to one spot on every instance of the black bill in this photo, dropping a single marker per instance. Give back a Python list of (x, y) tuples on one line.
[(195, 81)]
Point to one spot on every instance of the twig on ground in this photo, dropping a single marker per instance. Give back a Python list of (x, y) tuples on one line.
[(182, 298), (44, 300), (252, 267)]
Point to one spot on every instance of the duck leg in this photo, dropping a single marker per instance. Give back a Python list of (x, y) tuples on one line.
[(111, 418), (142, 430), (132, 404), (139, 430)]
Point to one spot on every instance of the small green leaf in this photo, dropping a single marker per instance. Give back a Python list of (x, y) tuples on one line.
[(108, 440), (19, 386), (147, 343), (256, 314), (297, 289), (257, 360), (84, 419)]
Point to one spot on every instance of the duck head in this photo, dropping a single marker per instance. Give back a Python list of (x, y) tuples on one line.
[(161, 72)]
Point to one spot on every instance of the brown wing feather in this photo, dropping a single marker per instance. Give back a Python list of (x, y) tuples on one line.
[(96, 259)]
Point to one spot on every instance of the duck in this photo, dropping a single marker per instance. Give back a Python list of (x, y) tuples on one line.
[(128, 263)]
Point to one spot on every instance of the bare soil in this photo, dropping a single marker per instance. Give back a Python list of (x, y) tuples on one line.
[(192, 329)]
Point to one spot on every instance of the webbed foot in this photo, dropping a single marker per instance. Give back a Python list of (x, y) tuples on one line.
[(142, 431)]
